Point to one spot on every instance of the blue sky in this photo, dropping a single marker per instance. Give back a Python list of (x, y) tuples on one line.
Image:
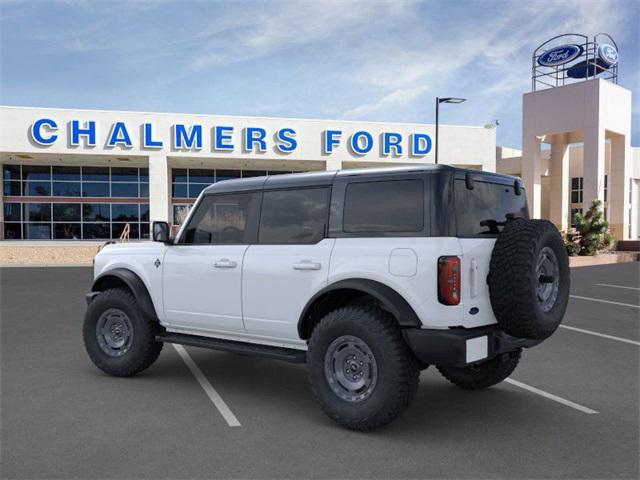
[(308, 59)]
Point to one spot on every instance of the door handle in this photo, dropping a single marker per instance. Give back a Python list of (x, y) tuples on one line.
[(307, 265), (225, 263)]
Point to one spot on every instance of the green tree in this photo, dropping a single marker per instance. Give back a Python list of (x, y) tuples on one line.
[(591, 233)]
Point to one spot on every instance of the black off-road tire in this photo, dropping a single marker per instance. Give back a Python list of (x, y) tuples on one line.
[(143, 350), (398, 371), (513, 281), (483, 375)]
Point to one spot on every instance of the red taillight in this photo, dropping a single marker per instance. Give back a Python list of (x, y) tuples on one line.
[(449, 280)]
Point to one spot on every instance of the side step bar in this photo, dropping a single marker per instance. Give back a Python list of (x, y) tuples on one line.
[(243, 348)]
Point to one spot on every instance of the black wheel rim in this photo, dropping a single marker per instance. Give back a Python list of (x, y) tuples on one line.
[(114, 332), (350, 368), (548, 279)]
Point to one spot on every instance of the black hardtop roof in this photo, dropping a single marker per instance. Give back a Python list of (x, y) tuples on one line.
[(310, 179)]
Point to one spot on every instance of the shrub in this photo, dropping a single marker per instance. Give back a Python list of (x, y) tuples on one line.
[(591, 233)]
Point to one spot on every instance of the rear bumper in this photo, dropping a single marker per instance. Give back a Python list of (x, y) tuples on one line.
[(458, 347)]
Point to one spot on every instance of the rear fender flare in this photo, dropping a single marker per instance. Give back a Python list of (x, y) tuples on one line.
[(391, 300)]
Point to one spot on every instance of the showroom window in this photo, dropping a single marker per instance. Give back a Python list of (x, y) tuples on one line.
[(62, 181), (573, 212), (187, 183), (78, 202), (576, 189), (223, 219), (74, 221)]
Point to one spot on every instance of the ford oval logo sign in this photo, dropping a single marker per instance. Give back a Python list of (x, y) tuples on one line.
[(560, 55), (608, 54)]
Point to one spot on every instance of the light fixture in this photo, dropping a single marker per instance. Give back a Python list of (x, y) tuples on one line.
[(451, 100), (440, 100)]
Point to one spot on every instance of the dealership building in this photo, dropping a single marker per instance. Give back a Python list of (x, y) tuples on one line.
[(92, 175), (86, 174)]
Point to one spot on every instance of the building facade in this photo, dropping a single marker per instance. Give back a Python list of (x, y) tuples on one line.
[(577, 149), (89, 175), (509, 161)]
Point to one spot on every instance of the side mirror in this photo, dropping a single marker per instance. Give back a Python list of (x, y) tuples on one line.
[(161, 232)]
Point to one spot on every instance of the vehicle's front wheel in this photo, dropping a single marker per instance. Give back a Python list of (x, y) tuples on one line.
[(483, 375), (361, 371), (118, 337)]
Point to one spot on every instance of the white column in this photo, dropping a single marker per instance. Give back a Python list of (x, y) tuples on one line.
[(593, 166), (618, 188), (159, 188), (559, 201), (531, 173), (333, 164)]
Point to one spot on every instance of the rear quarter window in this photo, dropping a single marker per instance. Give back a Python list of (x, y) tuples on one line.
[(296, 216), (393, 206), (483, 210)]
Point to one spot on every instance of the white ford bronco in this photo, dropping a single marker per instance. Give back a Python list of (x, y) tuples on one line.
[(367, 276)]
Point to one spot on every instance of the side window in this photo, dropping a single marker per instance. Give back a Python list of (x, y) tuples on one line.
[(485, 209), (222, 219), (294, 216), (387, 206)]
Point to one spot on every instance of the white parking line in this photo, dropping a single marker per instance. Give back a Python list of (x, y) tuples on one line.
[(605, 301), (553, 397), (211, 392), (616, 286), (610, 337)]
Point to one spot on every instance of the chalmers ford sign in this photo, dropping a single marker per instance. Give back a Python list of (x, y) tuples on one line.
[(45, 132)]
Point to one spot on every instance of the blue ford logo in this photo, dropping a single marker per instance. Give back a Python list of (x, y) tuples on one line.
[(608, 54), (560, 55)]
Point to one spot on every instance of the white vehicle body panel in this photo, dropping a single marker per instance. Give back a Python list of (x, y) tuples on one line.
[(260, 298), (475, 261), (376, 259), (202, 287), (277, 283), (139, 257)]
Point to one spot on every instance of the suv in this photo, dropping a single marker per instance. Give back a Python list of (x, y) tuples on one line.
[(368, 276)]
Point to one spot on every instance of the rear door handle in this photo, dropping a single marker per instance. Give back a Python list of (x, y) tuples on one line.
[(225, 263), (307, 265)]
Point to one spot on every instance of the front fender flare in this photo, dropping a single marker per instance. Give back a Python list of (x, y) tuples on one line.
[(135, 284)]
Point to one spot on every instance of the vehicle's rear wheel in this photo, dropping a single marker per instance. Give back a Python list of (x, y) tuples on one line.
[(483, 375), (118, 337), (529, 279), (360, 368)]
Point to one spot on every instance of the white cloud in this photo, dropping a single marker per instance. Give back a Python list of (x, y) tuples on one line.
[(496, 48)]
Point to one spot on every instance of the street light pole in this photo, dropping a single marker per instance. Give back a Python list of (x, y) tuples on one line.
[(437, 125), (438, 102)]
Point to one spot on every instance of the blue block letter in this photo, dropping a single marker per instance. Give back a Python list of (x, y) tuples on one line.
[(147, 138), (89, 131), (330, 140), (119, 136), (286, 140), (391, 140), (253, 136), (355, 142), (223, 135), (184, 139), (36, 131), (421, 144)]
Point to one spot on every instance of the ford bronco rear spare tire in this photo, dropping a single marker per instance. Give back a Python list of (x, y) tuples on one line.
[(529, 278)]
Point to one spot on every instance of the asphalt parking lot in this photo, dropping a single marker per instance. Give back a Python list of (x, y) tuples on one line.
[(571, 411)]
